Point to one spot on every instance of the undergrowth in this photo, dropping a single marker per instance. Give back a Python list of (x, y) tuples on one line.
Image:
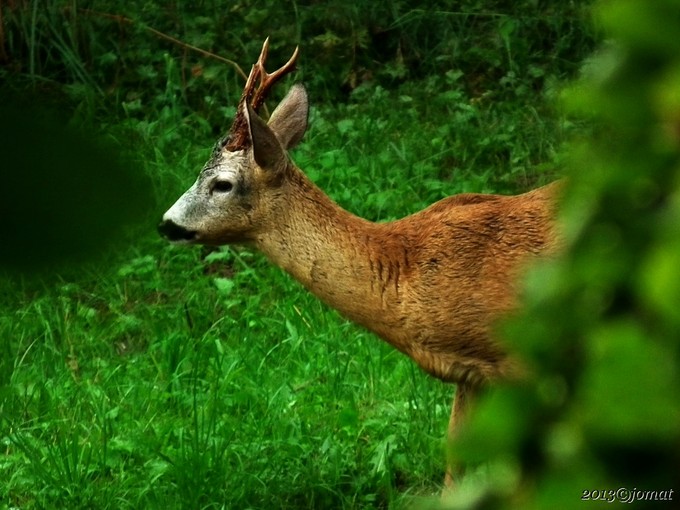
[(160, 376)]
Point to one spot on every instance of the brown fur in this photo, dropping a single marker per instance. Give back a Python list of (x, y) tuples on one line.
[(431, 284)]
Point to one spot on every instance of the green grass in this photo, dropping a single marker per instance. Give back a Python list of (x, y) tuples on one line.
[(182, 382), (181, 377), (172, 377)]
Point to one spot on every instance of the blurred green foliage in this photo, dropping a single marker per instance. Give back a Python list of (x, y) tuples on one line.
[(601, 332), (65, 195)]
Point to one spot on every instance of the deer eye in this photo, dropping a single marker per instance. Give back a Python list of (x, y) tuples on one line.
[(222, 186)]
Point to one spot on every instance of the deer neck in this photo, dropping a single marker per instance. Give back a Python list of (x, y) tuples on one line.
[(344, 260)]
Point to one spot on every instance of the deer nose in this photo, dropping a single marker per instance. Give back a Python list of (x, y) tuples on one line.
[(174, 232)]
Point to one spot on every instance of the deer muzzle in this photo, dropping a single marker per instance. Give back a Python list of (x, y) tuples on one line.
[(176, 233)]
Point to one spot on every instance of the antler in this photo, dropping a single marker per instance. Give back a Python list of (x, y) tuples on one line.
[(238, 134), (267, 80)]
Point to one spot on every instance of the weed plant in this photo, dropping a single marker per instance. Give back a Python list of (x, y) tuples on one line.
[(166, 377)]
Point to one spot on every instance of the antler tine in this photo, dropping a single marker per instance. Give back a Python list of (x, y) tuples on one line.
[(238, 134), (267, 80), (255, 71)]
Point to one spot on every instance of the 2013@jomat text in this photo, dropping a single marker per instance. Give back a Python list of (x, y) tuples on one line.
[(626, 495)]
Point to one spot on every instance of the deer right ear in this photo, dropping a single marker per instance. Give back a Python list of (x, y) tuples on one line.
[(267, 149), (289, 120)]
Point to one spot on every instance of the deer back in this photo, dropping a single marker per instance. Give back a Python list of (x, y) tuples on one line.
[(431, 284)]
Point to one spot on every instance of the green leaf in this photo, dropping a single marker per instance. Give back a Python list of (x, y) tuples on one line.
[(224, 285)]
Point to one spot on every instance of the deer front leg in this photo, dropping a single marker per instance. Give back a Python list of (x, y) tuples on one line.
[(454, 470)]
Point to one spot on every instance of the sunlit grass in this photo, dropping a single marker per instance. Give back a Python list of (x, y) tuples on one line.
[(177, 377), (185, 394)]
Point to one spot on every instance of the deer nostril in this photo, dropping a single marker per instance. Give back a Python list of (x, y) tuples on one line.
[(174, 232)]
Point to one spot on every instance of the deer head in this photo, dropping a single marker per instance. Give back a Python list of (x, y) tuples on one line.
[(239, 189)]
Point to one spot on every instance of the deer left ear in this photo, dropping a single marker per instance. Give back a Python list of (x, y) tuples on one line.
[(289, 120), (267, 149)]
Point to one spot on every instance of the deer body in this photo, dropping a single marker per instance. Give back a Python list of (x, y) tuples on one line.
[(431, 284)]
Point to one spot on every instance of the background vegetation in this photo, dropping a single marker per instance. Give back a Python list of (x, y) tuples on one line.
[(600, 416), (149, 375)]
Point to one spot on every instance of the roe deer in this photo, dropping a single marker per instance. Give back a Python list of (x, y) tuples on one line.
[(430, 284)]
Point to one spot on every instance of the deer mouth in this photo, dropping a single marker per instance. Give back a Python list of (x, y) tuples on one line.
[(176, 233)]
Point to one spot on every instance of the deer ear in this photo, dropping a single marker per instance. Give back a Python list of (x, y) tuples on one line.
[(289, 120), (267, 149)]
